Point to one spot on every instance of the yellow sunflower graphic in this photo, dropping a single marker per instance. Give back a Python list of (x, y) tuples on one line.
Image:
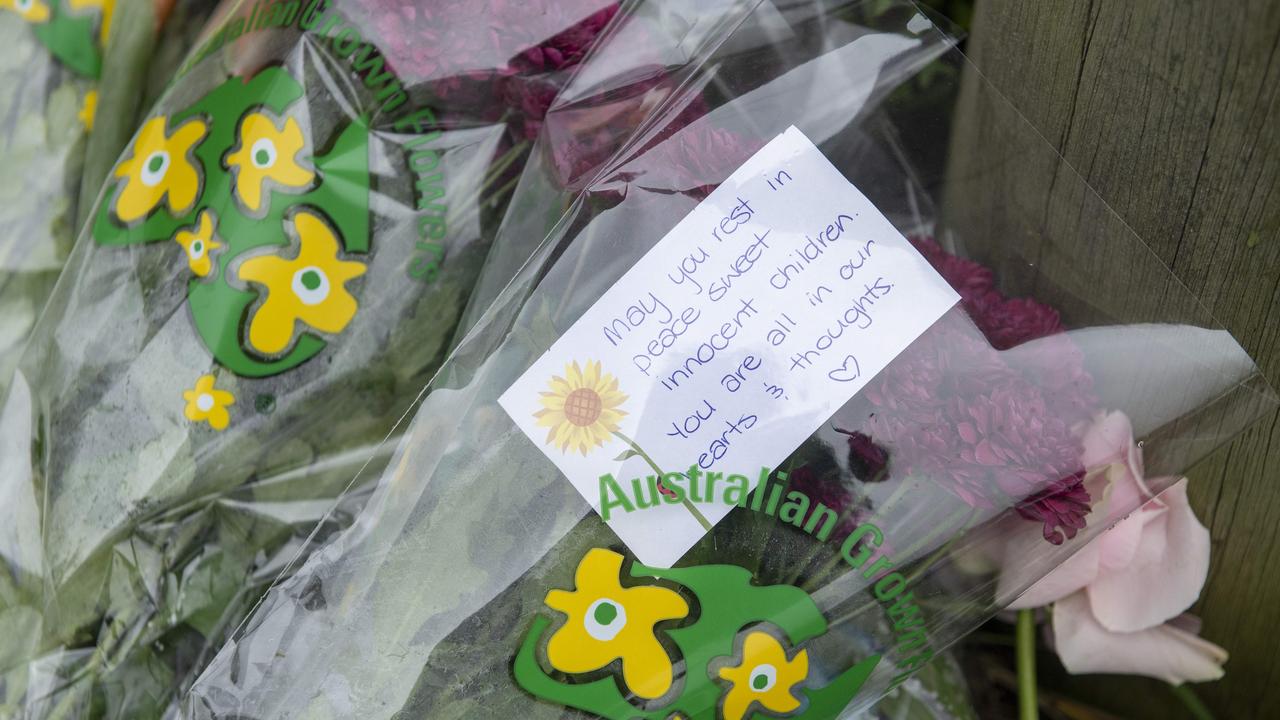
[(207, 404), (764, 676), (267, 152), (198, 243), (33, 11), (582, 408), (310, 288), (607, 622), (160, 168)]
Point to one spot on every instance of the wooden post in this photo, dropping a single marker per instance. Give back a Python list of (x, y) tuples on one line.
[(1171, 111)]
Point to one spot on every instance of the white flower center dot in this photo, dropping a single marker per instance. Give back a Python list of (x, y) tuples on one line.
[(154, 168), (605, 619), (204, 402), (311, 285), (763, 677), (263, 153)]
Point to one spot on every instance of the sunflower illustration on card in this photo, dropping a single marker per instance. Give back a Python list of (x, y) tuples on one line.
[(582, 409)]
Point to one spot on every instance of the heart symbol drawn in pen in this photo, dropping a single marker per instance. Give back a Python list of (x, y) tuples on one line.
[(844, 373)]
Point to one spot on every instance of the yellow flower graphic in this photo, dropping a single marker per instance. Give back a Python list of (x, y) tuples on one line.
[(765, 675), (608, 622), (89, 110), (33, 11), (309, 289), (159, 168), (208, 404), (582, 408), (199, 245), (266, 151)]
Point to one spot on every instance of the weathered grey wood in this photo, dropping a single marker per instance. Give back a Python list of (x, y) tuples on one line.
[(1171, 110)]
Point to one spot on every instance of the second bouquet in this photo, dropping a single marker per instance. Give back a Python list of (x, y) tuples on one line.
[(275, 267)]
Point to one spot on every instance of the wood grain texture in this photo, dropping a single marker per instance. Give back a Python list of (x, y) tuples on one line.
[(1171, 111)]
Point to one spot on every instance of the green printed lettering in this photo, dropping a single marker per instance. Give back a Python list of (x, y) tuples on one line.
[(607, 484)]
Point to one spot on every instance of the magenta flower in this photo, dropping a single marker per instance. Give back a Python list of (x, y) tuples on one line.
[(867, 460), (1011, 432), (1006, 322), (1062, 510), (989, 405), (970, 279), (488, 61), (1014, 321), (830, 492), (443, 39)]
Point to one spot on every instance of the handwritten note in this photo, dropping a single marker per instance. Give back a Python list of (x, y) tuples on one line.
[(731, 341)]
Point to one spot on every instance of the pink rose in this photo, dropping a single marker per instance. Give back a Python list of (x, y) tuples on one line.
[(1117, 602)]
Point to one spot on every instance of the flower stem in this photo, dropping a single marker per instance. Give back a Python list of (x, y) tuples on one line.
[(1195, 706), (702, 520), (1028, 705)]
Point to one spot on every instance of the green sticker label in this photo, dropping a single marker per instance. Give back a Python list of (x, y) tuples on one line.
[(273, 228), (74, 32), (693, 642)]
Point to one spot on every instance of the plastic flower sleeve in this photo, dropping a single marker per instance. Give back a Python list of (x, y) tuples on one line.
[(479, 581), (52, 64), (595, 116), (271, 274), (74, 85)]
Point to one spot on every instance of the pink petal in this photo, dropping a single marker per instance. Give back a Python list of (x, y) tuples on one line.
[(1119, 544), (1078, 571), (1164, 652), (1167, 571), (985, 454), (1107, 441), (1116, 492)]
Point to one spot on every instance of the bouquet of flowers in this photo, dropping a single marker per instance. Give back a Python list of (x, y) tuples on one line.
[(274, 269), (52, 64), (721, 445), (78, 73)]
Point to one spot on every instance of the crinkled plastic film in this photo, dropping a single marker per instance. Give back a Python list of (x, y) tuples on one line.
[(433, 602), (178, 430), (43, 146), (445, 596)]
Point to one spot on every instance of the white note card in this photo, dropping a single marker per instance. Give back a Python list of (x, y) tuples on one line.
[(731, 341)]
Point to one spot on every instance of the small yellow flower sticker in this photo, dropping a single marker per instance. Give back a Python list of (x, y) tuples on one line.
[(199, 245), (159, 168), (309, 288), (607, 622), (33, 11), (89, 110), (582, 408), (205, 403), (765, 675), (267, 152)]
